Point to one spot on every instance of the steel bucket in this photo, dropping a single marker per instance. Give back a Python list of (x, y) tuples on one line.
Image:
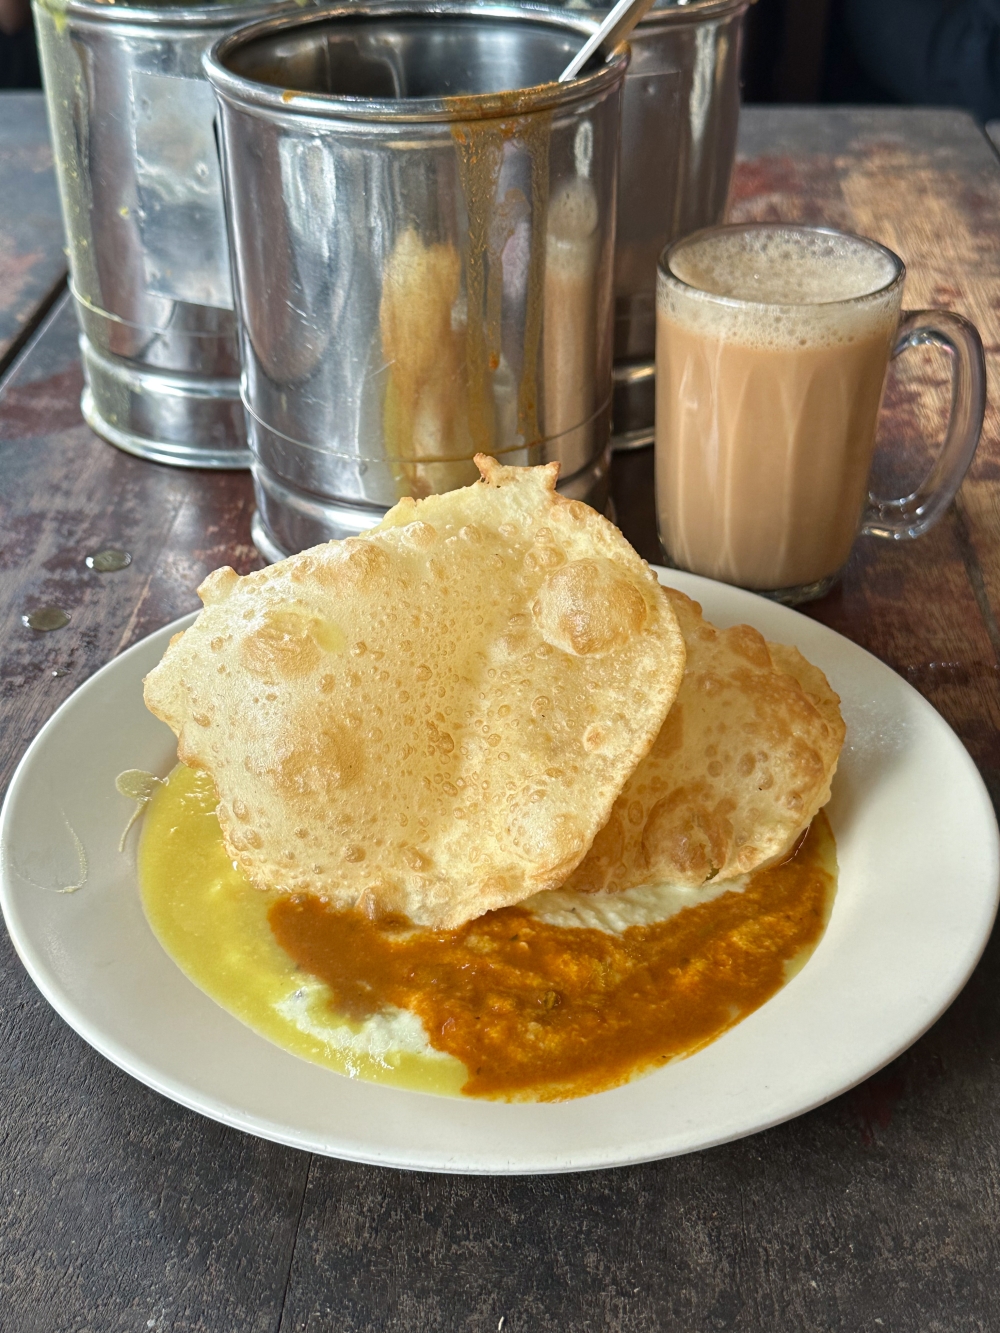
[(132, 130), (680, 114), (423, 259)]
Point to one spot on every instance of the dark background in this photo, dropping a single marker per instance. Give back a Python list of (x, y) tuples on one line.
[(799, 51), (796, 51)]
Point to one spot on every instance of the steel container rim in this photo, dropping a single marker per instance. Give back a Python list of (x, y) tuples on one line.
[(242, 91), (674, 13), (164, 17), (688, 12)]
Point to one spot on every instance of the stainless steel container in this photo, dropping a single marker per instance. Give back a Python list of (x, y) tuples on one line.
[(132, 130), (423, 258), (680, 113)]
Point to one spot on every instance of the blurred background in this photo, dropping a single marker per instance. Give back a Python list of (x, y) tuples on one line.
[(18, 59), (903, 52), (907, 52)]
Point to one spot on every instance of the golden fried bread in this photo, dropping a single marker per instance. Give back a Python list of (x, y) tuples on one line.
[(435, 718), (743, 763)]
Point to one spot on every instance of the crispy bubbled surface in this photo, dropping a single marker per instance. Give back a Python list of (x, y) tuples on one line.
[(743, 762), (435, 718)]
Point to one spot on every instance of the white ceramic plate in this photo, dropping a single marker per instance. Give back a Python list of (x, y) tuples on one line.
[(918, 849)]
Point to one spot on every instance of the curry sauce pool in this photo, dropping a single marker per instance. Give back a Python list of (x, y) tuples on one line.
[(510, 1005), (213, 924)]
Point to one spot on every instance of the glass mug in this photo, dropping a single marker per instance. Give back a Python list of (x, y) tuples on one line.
[(772, 346)]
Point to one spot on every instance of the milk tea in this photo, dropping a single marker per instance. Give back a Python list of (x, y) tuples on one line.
[(771, 352)]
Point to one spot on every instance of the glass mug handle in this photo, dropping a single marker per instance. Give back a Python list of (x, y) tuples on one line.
[(913, 514)]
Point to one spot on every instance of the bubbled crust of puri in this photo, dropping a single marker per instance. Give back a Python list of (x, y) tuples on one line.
[(743, 763), (435, 718)]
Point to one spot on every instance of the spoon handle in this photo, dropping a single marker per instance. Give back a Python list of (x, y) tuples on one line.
[(615, 27)]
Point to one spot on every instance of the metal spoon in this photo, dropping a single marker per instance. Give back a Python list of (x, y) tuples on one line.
[(617, 25)]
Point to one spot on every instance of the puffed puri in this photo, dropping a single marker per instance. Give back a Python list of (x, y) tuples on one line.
[(433, 719), (743, 763)]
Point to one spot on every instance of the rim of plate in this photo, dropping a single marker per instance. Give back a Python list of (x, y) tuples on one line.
[(653, 1116)]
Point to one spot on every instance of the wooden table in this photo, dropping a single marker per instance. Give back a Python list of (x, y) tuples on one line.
[(32, 261), (878, 1212)]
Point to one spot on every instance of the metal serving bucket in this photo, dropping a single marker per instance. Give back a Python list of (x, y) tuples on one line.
[(680, 113), (423, 259), (132, 130)]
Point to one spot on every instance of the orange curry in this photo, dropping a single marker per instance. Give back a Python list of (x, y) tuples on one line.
[(543, 1011)]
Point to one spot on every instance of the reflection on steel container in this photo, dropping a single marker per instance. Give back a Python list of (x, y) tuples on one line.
[(132, 130), (423, 260), (680, 112)]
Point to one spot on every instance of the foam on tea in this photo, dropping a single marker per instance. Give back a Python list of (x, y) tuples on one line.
[(771, 355), (783, 267)]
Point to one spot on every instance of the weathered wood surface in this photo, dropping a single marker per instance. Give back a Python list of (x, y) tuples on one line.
[(32, 259), (878, 1212)]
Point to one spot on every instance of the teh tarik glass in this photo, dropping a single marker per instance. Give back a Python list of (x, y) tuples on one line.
[(773, 343)]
